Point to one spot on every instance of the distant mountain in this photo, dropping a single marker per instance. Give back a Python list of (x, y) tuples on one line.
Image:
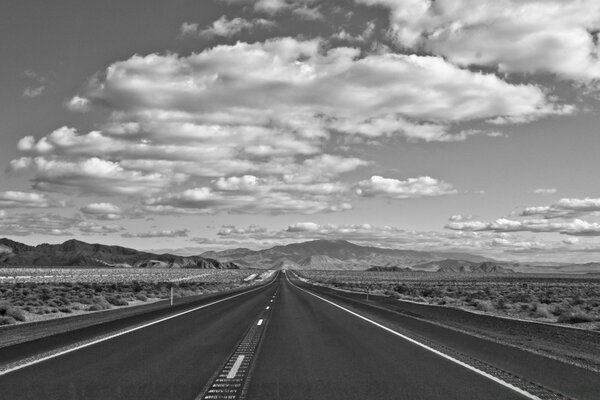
[(334, 254), (462, 266), (75, 253), (320, 261), (390, 269), (587, 268)]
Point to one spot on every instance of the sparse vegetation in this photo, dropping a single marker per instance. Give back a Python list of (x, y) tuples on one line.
[(549, 298), (35, 293)]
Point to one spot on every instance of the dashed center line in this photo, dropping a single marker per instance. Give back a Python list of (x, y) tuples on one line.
[(231, 379), (236, 366), (267, 308)]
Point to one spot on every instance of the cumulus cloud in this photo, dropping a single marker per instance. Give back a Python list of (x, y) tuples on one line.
[(78, 104), (95, 175), (296, 77), (105, 211), (564, 208), (575, 227), (545, 191), (92, 228), (229, 230), (25, 224), (16, 199), (262, 118), (302, 8), (158, 234), (205, 200), (423, 186), (36, 84), (550, 36), (224, 27)]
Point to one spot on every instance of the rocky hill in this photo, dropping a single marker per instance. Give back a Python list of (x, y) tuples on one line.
[(462, 266), (75, 253), (321, 262), (334, 254)]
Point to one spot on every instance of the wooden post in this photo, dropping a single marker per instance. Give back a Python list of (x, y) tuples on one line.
[(171, 295)]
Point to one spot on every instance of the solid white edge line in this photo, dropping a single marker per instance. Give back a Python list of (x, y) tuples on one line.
[(260, 321), (424, 346), (33, 362), (236, 366)]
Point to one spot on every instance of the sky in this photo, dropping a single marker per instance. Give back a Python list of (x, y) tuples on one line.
[(204, 125)]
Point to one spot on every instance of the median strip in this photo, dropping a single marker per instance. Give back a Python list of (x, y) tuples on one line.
[(232, 378)]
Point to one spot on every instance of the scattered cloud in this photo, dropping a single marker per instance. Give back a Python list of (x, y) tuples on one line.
[(102, 211), (36, 84), (564, 208), (25, 224), (544, 191), (92, 228), (423, 186), (158, 234), (16, 199), (305, 9), (224, 27), (205, 200), (95, 175), (575, 227), (228, 230), (78, 104)]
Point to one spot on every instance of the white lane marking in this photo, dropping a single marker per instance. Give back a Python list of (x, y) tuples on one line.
[(271, 301), (81, 346), (236, 366), (439, 353), (260, 321), (268, 307)]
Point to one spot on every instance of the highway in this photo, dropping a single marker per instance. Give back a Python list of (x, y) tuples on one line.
[(275, 342)]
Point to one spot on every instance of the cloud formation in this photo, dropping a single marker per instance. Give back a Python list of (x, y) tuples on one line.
[(524, 36), (103, 211), (423, 186), (16, 199), (224, 27), (170, 233)]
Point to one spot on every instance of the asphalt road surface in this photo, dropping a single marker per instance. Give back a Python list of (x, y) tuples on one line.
[(275, 342)]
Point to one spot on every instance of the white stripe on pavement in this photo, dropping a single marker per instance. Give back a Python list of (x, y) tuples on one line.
[(439, 353)]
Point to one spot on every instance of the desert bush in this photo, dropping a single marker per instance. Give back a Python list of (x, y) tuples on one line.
[(141, 296), (484, 305), (7, 320), (575, 317), (540, 311), (116, 300), (12, 312)]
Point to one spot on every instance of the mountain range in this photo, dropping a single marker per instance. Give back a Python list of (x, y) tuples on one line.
[(75, 253), (333, 255), (311, 255)]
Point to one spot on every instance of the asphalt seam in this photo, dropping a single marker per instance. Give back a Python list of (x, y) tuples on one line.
[(546, 394), (24, 363)]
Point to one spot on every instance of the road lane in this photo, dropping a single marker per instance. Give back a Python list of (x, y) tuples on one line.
[(169, 360), (313, 350)]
